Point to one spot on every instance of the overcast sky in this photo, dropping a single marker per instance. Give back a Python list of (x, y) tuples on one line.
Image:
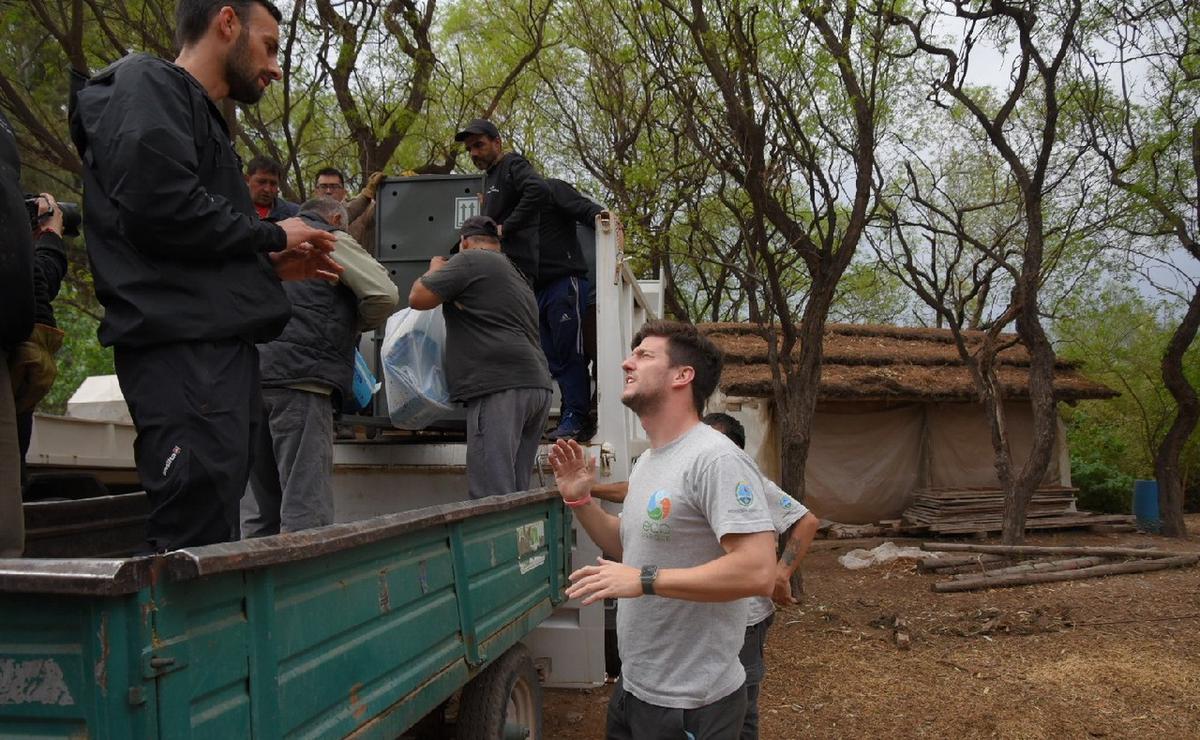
[(1178, 271)]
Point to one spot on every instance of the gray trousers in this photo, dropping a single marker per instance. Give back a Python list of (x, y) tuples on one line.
[(503, 433), (291, 486), (752, 660), (12, 516)]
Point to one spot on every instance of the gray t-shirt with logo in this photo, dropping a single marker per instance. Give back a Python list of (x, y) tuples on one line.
[(683, 497), (492, 342), (785, 511)]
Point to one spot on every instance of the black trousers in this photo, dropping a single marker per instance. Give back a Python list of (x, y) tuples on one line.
[(196, 407), (630, 718)]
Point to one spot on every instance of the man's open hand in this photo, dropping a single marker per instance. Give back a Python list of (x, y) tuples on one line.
[(574, 469), (608, 580), (307, 253), (299, 232), (304, 262)]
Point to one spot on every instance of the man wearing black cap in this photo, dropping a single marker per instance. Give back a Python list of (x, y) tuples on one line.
[(493, 362), (513, 194)]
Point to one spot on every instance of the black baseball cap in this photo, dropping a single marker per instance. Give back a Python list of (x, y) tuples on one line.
[(478, 126), (479, 226)]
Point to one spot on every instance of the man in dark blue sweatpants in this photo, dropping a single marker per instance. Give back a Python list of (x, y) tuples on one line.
[(562, 291)]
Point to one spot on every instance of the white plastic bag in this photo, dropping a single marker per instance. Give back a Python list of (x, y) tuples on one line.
[(885, 553), (413, 344)]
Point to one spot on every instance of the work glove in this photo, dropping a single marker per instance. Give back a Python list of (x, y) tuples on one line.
[(373, 182), (32, 367)]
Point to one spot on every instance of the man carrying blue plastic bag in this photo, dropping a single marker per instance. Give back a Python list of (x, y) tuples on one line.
[(494, 362)]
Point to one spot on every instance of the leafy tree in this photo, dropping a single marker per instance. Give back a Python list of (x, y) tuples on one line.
[(1024, 127), (1144, 121), (787, 101), (1119, 337)]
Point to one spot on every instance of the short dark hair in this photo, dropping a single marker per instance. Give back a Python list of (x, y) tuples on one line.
[(330, 171), (326, 208), (687, 347), (192, 17), (264, 164), (727, 425), (480, 227)]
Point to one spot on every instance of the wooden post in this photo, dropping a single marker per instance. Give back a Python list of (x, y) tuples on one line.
[(1037, 566), (1129, 552), (1024, 579)]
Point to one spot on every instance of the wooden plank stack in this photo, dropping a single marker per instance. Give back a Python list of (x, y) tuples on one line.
[(981, 510)]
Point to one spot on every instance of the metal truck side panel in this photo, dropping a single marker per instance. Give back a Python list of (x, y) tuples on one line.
[(69, 667), (361, 638)]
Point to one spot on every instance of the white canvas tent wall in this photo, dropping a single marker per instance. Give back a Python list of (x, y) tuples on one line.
[(866, 460), (897, 411)]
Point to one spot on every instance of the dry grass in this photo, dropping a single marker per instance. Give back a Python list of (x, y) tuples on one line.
[(908, 383), (889, 363), (1115, 657)]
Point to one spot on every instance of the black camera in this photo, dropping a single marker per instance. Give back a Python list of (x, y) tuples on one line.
[(70, 211)]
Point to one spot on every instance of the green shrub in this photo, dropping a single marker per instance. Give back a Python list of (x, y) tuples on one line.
[(1101, 487)]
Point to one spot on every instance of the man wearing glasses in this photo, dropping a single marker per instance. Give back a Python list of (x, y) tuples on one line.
[(331, 183)]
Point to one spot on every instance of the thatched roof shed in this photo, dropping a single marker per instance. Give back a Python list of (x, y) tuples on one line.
[(874, 362), (897, 412)]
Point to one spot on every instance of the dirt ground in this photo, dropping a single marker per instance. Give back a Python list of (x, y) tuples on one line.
[(1111, 657)]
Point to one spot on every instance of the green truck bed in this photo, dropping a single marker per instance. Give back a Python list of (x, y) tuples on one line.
[(356, 629)]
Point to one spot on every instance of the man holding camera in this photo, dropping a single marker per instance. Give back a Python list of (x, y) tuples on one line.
[(188, 275), (32, 364), (16, 321)]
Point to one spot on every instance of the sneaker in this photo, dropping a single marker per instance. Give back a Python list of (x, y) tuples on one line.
[(570, 426)]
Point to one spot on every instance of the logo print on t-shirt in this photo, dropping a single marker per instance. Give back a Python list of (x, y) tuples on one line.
[(659, 506), (744, 494), (786, 501)]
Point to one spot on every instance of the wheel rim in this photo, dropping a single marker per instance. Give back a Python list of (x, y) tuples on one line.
[(520, 713)]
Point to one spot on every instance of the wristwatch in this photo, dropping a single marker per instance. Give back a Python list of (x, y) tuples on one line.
[(649, 573)]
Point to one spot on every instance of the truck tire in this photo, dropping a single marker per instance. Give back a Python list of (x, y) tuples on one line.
[(504, 702)]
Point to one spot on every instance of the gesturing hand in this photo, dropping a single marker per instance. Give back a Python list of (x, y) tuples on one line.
[(304, 262), (574, 469), (608, 580), (298, 232)]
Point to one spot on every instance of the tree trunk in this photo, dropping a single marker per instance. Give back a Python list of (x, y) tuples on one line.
[(1041, 378), (1166, 461), (801, 384)]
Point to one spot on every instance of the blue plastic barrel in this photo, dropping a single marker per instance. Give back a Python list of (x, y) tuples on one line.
[(1145, 505)]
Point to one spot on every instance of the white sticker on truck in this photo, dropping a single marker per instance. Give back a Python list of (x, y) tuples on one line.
[(531, 538), (33, 682)]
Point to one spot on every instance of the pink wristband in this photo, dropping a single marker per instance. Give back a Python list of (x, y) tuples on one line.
[(579, 502)]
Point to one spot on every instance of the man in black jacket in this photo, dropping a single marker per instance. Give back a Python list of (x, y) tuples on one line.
[(562, 290), (16, 321), (513, 194), (188, 275)]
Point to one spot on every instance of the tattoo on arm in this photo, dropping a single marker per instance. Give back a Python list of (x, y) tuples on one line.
[(789, 554)]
